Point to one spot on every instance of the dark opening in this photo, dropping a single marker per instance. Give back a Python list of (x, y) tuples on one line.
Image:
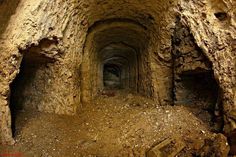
[(26, 89), (222, 16), (199, 90), (19, 89), (119, 67), (202, 89), (232, 142), (112, 76)]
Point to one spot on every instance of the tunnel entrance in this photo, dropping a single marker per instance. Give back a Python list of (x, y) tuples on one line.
[(28, 90), (23, 89), (115, 57), (199, 91), (16, 99), (194, 83), (112, 76)]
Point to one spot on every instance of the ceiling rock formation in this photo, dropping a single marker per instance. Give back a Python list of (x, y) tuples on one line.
[(58, 51)]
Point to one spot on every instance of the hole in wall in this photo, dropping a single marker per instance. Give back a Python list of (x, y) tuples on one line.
[(23, 88), (28, 88), (202, 89), (199, 91), (222, 16), (195, 86)]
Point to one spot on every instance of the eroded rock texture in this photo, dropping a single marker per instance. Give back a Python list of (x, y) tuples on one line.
[(53, 54)]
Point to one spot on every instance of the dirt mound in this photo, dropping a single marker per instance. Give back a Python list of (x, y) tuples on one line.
[(121, 125)]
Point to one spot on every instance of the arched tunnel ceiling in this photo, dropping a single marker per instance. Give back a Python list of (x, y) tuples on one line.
[(117, 51), (146, 12), (118, 60), (125, 32)]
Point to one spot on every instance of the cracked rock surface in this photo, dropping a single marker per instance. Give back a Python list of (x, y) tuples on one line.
[(175, 52)]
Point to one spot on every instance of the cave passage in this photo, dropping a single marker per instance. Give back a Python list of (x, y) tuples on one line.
[(199, 91), (27, 89), (115, 57), (112, 76), (21, 88), (119, 67)]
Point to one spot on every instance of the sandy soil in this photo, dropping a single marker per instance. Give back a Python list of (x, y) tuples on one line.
[(116, 124)]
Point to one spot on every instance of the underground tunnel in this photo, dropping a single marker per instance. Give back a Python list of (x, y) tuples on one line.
[(169, 63), (123, 60), (114, 58), (111, 76)]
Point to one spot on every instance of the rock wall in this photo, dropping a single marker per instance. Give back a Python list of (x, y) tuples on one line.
[(194, 82), (7, 9), (212, 24), (29, 28), (59, 33)]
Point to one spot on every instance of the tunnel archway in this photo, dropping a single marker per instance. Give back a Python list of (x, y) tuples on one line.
[(26, 87), (29, 88), (122, 44), (124, 58)]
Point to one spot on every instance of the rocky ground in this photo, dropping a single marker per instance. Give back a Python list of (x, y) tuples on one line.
[(116, 124)]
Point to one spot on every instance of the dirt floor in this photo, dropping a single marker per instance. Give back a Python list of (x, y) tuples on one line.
[(116, 124)]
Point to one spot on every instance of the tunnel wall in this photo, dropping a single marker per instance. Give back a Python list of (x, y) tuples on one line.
[(7, 9), (35, 22), (195, 86), (68, 22), (192, 70), (216, 38)]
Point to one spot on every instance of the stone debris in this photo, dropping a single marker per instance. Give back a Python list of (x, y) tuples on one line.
[(167, 148)]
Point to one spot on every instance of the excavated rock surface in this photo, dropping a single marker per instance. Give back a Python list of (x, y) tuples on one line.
[(50, 52)]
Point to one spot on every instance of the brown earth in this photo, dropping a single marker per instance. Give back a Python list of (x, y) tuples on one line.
[(55, 56), (118, 124)]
